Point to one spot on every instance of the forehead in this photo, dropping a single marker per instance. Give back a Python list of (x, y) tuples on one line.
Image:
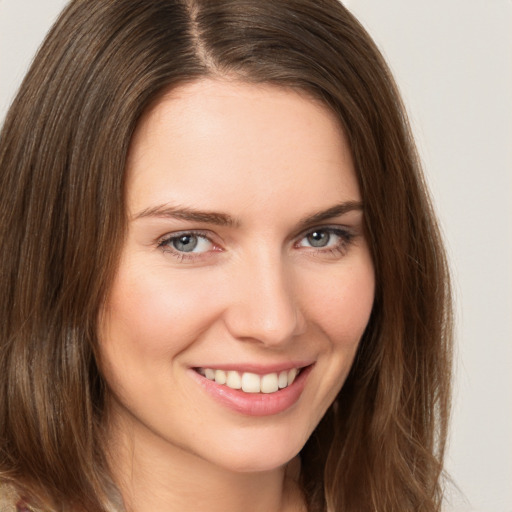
[(218, 141)]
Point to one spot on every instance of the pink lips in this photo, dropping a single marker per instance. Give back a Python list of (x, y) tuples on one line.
[(255, 404)]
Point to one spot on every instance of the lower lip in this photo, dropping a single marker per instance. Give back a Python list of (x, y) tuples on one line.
[(255, 404)]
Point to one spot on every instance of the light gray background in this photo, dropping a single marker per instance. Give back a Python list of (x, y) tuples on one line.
[(453, 62)]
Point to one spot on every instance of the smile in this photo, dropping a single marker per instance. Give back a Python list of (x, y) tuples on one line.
[(251, 393), (251, 382)]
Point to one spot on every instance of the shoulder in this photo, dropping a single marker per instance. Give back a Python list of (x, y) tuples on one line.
[(8, 498)]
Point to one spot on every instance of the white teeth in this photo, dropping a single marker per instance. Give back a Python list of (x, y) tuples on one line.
[(234, 381), (269, 383), (291, 375), (220, 377), (251, 382)]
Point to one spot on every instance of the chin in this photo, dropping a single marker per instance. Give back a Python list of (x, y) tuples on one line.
[(259, 452)]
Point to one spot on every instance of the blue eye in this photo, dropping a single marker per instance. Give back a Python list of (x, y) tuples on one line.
[(319, 238), (326, 240), (183, 243)]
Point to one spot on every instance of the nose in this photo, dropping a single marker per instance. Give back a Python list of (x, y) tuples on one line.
[(262, 305)]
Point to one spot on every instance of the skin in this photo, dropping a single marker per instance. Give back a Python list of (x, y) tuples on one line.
[(254, 291)]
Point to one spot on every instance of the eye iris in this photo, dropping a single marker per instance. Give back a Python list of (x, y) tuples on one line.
[(318, 238), (185, 243)]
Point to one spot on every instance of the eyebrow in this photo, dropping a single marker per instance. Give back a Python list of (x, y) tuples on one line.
[(223, 219), (185, 213), (334, 211)]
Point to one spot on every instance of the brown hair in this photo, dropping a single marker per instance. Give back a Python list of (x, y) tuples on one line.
[(63, 151)]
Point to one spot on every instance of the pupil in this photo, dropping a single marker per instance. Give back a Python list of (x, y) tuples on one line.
[(185, 243), (318, 238)]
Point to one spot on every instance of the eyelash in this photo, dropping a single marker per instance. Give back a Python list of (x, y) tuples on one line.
[(165, 245), (339, 249)]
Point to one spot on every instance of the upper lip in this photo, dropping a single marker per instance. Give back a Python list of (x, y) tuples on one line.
[(258, 369)]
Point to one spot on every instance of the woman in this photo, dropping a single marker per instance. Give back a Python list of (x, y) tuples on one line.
[(224, 287)]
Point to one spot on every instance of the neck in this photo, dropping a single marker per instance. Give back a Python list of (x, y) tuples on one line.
[(153, 474)]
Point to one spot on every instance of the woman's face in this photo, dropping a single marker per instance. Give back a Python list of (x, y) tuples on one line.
[(245, 262)]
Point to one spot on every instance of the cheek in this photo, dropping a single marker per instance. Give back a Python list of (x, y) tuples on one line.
[(339, 308), (342, 306), (152, 314), (150, 319)]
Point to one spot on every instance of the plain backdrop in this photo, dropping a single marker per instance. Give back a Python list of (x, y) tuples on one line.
[(453, 62)]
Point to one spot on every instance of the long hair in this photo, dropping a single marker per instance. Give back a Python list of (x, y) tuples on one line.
[(63, 151)]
